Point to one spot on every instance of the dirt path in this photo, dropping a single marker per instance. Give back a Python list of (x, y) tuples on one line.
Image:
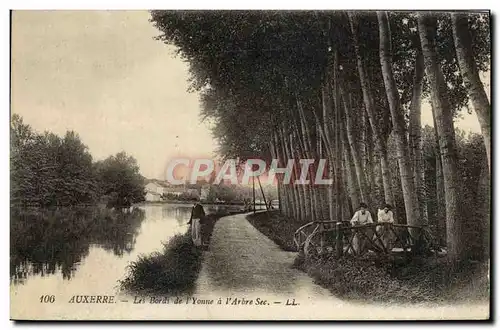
[(242, 259)]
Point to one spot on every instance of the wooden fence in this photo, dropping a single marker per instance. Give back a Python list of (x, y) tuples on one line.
[(340, 238)]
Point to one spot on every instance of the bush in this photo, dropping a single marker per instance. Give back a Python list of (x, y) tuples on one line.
[(174, 270)]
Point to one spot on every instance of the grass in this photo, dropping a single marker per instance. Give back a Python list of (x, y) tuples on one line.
[(381, 280), (171, 271), (275, 226), (416, 282)]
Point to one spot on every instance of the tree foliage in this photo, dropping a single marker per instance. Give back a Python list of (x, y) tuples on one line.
[(119, 179), (48, 170)]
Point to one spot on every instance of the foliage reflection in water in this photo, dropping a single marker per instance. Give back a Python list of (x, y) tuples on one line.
[(44, 241)]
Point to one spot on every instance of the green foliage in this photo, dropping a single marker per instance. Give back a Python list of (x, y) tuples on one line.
[(48, 171), (252, 67), (473, 170), (119, 180)]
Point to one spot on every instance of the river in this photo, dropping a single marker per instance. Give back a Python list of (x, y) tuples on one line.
[(47, 259)]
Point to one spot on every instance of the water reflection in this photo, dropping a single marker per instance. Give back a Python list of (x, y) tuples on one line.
[(45, 241), (180, 213)]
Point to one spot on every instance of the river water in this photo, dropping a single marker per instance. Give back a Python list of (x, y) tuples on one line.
[(59, 261)]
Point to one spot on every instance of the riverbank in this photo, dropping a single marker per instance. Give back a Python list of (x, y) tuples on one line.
[(275, 226), (428, 280), (173, 270)]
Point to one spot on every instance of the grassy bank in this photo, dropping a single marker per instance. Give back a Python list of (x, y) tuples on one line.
[(421, 280), (275, 226), (170, 271)]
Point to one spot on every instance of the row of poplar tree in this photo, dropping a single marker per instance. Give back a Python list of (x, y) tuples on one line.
[(348, 87)]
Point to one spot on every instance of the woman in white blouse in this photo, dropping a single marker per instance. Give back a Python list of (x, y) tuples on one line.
[(361, 217), (385, 215)]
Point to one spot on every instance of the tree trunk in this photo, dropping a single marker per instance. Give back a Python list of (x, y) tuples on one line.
[(301, 192), (386, 175), (399, 129), (415, 135), (380, 147), (351, 171), (327, 111), (373, 172), (440, 199), (349, 135), (309, 153), (338, 145), (470, 75), (446, 132), (293, 195)]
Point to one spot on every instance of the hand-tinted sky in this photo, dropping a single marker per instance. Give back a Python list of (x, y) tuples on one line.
[(101, 74)]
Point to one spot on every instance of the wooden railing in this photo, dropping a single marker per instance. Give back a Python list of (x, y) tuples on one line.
[(340, 238)]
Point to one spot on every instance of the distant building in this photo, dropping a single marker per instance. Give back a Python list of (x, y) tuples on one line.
[(152, 196), (205, 190), (162, 188), (174, 190), (156, 186)]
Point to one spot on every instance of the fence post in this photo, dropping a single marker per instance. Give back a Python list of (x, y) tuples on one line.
[(339, 246)]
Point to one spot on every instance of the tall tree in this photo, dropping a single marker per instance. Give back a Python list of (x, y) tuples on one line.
[(470, 74), (443, 117), (399, 128), (380, 143), (415, 133)]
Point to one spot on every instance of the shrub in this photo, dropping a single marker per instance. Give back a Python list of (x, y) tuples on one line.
[(173, 270)]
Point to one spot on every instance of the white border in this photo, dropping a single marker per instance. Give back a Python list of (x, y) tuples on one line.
[(186, 4)]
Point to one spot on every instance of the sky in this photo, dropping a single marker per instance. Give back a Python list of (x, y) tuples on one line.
[(102, 74)]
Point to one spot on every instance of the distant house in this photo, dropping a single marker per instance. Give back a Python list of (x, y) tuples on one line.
[(162, 188), (156, 186), (174, 190), (152, 196)]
